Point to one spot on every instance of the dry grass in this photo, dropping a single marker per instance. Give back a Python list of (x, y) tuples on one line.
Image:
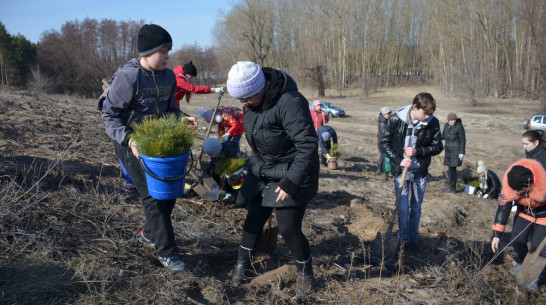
[(68, 236)]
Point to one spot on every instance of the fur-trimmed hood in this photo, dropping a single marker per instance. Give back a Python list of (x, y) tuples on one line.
[(538, 191)]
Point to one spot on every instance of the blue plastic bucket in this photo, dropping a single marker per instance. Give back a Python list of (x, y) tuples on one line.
[(165, 176)]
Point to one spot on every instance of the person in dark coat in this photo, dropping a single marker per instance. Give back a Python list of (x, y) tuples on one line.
[(411, 138), (384, 115), (327, 137), (284, 168), (217, 150), (455, 142), (534, 143), (524, 184), (490, 185)]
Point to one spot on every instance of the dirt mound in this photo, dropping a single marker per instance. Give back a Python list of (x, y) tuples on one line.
[(64, 214)]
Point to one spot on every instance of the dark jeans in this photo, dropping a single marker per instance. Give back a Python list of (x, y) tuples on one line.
[(452, 173), (381, 163), (289, 221), (158, 227), (519, 241)]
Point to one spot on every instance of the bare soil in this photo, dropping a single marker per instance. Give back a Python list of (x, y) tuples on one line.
[(68, 230)]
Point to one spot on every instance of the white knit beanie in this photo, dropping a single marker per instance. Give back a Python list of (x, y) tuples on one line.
[(481, 168), (245, 79), (212, 146)]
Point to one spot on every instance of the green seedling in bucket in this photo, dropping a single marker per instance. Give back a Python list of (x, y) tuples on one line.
[(164, 145), (164, 137)]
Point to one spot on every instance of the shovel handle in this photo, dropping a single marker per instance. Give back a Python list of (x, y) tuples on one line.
[(208, 129)]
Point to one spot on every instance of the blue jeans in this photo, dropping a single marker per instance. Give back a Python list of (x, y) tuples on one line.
[(409, 211), (128, 179)]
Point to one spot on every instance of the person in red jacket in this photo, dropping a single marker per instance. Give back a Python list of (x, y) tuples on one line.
[(320, 118), (524, 183), (229, 121), (184, 87)]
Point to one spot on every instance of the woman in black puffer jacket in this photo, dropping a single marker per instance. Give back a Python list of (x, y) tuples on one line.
[(455, 138), (534, 143), (284, 167)]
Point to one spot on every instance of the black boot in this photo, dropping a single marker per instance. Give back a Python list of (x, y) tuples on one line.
[(244, 262), (305, 277)]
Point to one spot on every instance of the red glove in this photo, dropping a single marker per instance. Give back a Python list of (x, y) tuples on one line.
[(405, 163), (410, 151)]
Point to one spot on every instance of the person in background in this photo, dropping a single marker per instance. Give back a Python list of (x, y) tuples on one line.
[(411, 138), (284, 167), (327, 137), (490, 184), (455, 143), (217, 150), (534, 143), (184, 87), (320, 118), (384, 115), (229, 121), (525, 183), (142, 88)]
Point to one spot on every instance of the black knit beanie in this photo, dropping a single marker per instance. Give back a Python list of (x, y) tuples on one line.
[(519, 177), (151, 38), (190, 69)]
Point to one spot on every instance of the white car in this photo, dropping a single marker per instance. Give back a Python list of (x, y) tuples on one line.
[(536, 122)]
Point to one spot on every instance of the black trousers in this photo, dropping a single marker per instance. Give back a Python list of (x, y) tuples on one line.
[(381, 163), (452, 173), (519, 241), (158, 227), (289, 220)]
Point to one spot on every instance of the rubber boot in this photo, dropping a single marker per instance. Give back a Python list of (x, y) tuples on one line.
[(244, 262), (305, 277)]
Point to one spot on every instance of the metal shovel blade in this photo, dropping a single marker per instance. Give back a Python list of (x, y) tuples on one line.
[(532, 266), (207, 189)]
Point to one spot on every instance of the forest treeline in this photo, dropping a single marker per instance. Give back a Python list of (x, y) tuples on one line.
[(470, 47)]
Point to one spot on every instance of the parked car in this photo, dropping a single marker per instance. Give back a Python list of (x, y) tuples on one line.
[(536, 122), (331, 109)]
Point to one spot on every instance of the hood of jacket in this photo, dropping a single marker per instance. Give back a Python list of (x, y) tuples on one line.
[(276, 84), (403, 114), (538, 191)]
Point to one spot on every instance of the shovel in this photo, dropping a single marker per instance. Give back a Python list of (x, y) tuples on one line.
[(205, 186), (268, 240), (386, 245), (532, 266)]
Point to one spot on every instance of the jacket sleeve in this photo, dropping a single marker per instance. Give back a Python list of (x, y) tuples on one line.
[(493, 184), (501, 218), (181, 83), (462, 140), (118, 100), (297, 124), (386, 142), (436, 145)]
